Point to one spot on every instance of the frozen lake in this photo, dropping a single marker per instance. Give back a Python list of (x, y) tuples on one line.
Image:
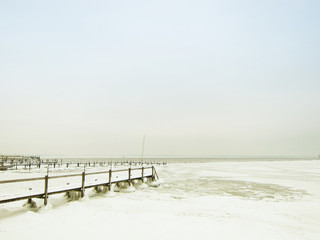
[(210, 200)]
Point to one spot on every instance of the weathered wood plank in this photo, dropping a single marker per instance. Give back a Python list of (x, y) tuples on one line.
[(94, 173), (21, 198), (21, 180), (65, 176)]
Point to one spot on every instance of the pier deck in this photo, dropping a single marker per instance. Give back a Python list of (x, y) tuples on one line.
[(43, 187)]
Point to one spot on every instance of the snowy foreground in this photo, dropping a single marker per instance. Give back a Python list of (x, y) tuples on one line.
[(216, 200)]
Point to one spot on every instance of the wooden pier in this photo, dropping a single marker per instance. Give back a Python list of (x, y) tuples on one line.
[(9, 161), (53, 163), (49, 185)]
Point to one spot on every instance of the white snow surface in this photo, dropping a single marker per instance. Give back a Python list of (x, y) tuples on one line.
[(214, 200)]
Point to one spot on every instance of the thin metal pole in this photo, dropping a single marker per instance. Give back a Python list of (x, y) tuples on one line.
[(144, 136)]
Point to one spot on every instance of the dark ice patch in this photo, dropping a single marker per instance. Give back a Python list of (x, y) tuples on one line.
[(235, 188)]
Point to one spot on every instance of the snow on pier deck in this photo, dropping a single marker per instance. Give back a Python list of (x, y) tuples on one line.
[(41, 187)]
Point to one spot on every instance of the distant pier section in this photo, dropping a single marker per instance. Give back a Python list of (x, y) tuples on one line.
[(8, 162)]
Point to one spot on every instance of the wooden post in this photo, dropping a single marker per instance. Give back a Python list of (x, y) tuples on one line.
[(153, 177), (46, 180), (142, 172), (129, 176), (110, 172), (83, 182)]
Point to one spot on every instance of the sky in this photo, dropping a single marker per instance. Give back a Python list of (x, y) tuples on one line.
[(197, 78)]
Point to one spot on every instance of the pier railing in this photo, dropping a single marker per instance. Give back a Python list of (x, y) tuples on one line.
[(67, 164), (43, 187)]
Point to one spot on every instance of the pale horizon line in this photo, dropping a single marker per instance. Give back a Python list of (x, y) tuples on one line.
[(165, 156)]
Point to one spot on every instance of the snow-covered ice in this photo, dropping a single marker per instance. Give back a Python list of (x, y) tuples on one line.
[(214, 200)]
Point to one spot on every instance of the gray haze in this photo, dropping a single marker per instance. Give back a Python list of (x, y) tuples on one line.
[(198, 78)]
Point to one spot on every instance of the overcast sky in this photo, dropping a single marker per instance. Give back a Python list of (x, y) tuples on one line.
[(198, 78)]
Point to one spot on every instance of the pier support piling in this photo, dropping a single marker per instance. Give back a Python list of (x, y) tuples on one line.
[(46, 178), (82, 185), (110, 172)]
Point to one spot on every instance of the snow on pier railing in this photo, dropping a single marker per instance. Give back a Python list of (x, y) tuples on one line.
[(17, 189)]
